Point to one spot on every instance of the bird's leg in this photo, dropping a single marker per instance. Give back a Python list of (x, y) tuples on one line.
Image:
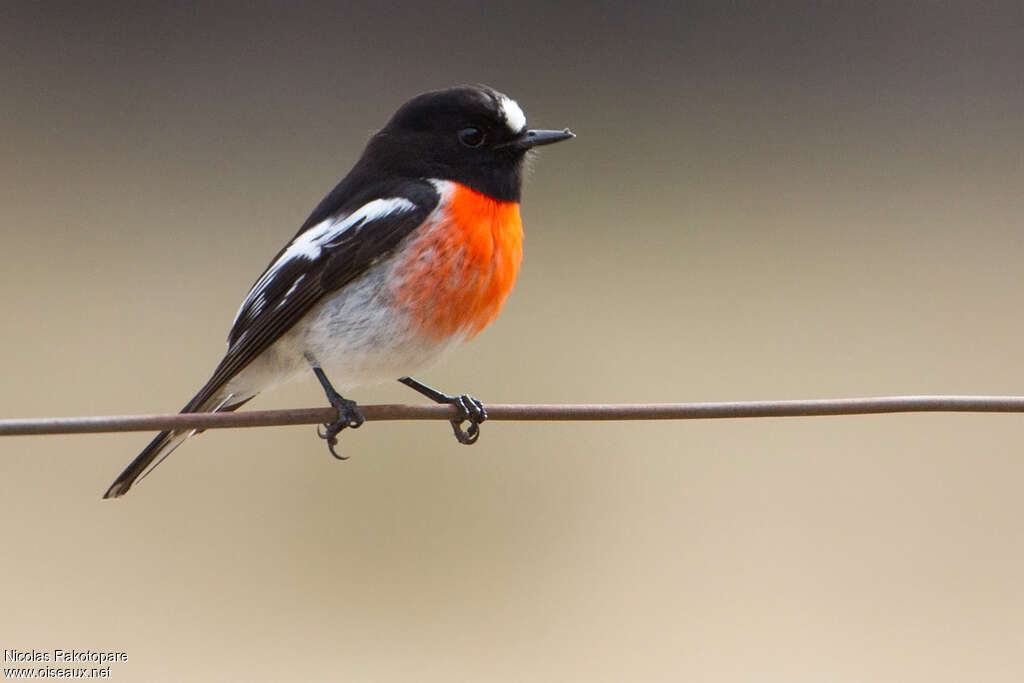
[(470, 410), (349, 414)]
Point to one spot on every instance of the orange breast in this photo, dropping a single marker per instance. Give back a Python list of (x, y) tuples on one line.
[(456, 275)]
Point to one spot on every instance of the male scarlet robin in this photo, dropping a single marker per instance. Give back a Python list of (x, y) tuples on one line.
[(413, 253)]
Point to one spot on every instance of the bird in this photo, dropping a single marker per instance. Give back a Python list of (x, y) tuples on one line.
[(410, 255)]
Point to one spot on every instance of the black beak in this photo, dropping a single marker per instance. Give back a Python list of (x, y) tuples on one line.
[(536, 138)]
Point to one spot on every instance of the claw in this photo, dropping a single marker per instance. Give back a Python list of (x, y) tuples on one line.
[(469, 410), (330, 435), (349, 415), (472, 411), (467, 437)]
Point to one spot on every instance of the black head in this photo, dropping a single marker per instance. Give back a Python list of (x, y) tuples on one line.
[(472, 135)]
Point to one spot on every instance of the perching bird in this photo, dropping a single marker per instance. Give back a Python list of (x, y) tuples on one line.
[(412, 254)]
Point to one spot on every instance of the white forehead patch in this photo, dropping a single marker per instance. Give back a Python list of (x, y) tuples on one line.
[(514, 117)]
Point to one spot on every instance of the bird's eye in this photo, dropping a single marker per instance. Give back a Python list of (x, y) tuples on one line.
[(471, 137)]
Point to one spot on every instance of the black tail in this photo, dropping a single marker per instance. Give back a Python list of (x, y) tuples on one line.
[(165, 442)]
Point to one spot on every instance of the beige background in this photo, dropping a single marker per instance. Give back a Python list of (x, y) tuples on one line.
[(765, 200)]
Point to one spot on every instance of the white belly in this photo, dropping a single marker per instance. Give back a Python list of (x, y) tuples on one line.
[(355, 334)]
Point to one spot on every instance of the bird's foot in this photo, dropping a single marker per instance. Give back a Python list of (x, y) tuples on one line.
[(349, 415), (469, 409)]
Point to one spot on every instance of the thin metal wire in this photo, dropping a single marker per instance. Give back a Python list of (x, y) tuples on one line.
[(534, 412)]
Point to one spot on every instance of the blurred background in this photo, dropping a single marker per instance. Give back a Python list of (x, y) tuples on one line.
[(765, 201)]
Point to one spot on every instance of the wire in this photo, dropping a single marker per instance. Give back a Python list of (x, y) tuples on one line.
[(533, 412)]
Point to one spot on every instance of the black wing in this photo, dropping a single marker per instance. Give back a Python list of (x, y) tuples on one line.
[(340, 240), (322, 257)]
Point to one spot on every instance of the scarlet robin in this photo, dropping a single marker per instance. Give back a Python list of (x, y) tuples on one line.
[(410, 255)]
